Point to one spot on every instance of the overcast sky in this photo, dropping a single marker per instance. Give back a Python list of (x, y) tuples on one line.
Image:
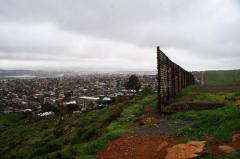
[(119, 34)]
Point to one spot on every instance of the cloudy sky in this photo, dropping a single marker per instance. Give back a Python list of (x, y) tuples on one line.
[(119, 34)]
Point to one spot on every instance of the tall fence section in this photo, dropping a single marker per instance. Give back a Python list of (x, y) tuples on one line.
[(171, 79)]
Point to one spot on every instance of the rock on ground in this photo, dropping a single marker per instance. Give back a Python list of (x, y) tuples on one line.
[(191, 149)]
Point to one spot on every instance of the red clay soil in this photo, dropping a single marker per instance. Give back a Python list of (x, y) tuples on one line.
[(137, 147), (142, 147)]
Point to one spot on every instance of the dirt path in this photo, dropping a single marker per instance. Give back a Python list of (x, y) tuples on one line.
[(147, 141), (161, 128), (151, 124), (137, 147)]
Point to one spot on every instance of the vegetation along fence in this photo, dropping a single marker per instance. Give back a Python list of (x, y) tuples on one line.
[(171, 79)]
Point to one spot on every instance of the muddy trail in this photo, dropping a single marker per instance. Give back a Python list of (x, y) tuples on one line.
[(151, 139), (151, 124)]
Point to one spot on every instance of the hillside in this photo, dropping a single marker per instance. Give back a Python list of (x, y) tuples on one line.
[(183, 135), (78, 136), (124, 129), (220, 77)]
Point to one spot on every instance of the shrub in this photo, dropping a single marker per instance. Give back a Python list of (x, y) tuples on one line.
[(147, 90)]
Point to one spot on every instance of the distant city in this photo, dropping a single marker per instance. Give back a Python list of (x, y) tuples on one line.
[(44, 93), (27, 74)]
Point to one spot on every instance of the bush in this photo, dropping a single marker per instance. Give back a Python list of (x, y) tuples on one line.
[(147, 90)]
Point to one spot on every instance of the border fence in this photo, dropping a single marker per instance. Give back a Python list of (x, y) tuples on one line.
[(171, 79)]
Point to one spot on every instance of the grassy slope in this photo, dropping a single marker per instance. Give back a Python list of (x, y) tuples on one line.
[(22, 138), (218, 123), (187, 95), (221, 77)]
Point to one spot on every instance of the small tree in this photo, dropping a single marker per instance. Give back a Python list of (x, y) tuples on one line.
[(133, 83)]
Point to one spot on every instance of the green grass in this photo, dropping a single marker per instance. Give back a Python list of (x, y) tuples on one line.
[(23, 138), (187, 95), (212, 97), (218, 123), (221, 77)]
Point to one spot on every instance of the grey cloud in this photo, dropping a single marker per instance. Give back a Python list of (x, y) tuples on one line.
[(122, 31)]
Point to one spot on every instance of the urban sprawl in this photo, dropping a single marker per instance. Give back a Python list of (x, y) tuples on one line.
[(44, 97)]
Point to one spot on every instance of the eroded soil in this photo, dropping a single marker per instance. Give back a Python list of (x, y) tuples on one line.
[(150, 140)]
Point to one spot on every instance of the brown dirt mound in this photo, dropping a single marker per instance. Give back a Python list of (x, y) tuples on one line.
[(137, 147), (143, 147)]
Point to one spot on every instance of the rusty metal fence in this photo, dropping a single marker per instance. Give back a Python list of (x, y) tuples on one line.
[(171, 79)]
